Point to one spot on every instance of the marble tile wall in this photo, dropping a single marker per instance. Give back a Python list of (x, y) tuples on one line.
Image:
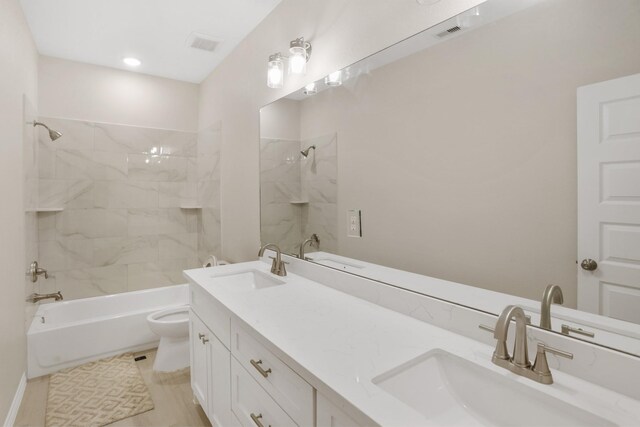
[(208, 175), (319, 181), (280, 185), (123, 190), (298, 196)]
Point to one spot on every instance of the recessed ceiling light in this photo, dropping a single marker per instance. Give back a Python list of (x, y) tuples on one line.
[(132, 62)]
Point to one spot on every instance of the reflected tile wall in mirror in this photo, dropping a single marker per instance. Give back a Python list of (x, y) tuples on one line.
[(124, 191), (298, 195)]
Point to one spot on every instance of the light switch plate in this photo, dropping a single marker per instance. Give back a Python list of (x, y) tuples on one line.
[(354, 223)]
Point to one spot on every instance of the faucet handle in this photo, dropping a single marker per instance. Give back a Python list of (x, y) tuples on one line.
[(541, 367)]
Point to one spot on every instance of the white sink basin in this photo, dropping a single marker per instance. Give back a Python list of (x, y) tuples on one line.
[(247, 280), (451, 391)]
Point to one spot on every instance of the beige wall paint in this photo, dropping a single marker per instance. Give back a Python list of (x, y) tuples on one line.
[(281, 120), (18, 77), (471, 145), (74, 90), (342, 32)]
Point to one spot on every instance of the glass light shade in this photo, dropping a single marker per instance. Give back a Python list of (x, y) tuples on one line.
[(334, 79), (275, 73), (297, 60), (310, 89)]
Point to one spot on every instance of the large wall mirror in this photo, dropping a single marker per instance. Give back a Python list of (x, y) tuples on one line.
[(496, 153)]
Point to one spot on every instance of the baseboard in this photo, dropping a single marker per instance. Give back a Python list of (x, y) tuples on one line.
[(17, 400)]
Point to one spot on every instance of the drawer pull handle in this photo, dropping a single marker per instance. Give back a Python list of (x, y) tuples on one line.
[(256, 419), (205, 340), (256, 364), (200, 336)]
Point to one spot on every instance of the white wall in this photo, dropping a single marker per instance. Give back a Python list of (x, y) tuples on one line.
[(74, 90), (342, 32), (18, 77)]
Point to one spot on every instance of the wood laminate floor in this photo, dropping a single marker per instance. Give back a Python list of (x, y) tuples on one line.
[(171, 394)]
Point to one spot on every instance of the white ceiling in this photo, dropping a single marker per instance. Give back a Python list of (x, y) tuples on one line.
[(103, 32)]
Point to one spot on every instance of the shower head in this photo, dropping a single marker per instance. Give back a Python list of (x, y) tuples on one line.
[(53, 134), (305, 152)]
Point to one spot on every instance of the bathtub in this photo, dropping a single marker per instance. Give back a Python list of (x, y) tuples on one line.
[(70, 333)]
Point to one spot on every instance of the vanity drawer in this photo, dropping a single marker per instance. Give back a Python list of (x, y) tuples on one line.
[(286, 387), (251, 404), (213, 314)]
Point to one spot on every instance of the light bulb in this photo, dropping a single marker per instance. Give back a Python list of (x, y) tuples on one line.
[(297, 60), (334, 79), (275, 71)]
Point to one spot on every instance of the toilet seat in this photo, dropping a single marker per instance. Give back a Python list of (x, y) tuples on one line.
[(172, 325)]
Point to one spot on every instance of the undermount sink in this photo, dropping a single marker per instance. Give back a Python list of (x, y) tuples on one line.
[(247, 280), (451, 391)]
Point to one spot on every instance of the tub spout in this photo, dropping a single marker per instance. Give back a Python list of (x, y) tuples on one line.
[(34, 298)]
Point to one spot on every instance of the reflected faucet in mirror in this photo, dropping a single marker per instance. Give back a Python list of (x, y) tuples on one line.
[(313, 241), (552, 295), (277, 266)]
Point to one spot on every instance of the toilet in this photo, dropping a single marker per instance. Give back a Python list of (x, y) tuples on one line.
[(172, 326)]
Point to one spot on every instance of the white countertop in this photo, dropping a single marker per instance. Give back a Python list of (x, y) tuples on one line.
[(340, 343), (610, 332)]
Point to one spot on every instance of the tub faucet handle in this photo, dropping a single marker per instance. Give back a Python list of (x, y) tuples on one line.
[(35, 271)]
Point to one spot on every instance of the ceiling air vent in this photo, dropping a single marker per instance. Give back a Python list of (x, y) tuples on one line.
[(449, 31), (202, 42)]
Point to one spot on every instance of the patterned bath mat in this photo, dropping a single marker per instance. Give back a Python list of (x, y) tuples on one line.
[(97, 393)]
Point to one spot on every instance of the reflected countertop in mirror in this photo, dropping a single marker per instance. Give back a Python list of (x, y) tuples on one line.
[(480, 161)]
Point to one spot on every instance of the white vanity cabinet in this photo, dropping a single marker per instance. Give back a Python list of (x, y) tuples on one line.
[(329, 415), (261, 380), (210, 373)]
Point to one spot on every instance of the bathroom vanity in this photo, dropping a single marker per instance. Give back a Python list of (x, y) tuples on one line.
[(320, 347)]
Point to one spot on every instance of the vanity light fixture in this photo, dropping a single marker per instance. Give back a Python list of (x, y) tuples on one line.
[(310, 89), (275, 71), (334, 79), (299, 54), (132, 62)]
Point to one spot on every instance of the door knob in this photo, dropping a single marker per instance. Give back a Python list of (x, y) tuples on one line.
[(588, 264)]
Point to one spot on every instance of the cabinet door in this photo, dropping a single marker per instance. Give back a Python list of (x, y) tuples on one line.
[(329, 415), (220, 385), (199, 361)]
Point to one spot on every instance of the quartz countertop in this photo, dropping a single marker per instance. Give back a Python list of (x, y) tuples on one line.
[(339, 343)]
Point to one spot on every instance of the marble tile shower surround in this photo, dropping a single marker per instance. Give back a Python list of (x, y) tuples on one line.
[(122, 189), (319, 178), (286, 177)]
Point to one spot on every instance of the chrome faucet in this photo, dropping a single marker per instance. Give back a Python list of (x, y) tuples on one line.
[(277, 266), (519, 363), (314, 240), (552, 294), (33, 298)]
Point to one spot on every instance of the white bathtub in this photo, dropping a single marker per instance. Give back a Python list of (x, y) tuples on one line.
[(70, 333)]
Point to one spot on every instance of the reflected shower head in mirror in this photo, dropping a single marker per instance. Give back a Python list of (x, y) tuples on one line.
[(305, 152), (53, 134)]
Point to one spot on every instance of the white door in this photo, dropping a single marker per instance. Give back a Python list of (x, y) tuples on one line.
[(609, 198)]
